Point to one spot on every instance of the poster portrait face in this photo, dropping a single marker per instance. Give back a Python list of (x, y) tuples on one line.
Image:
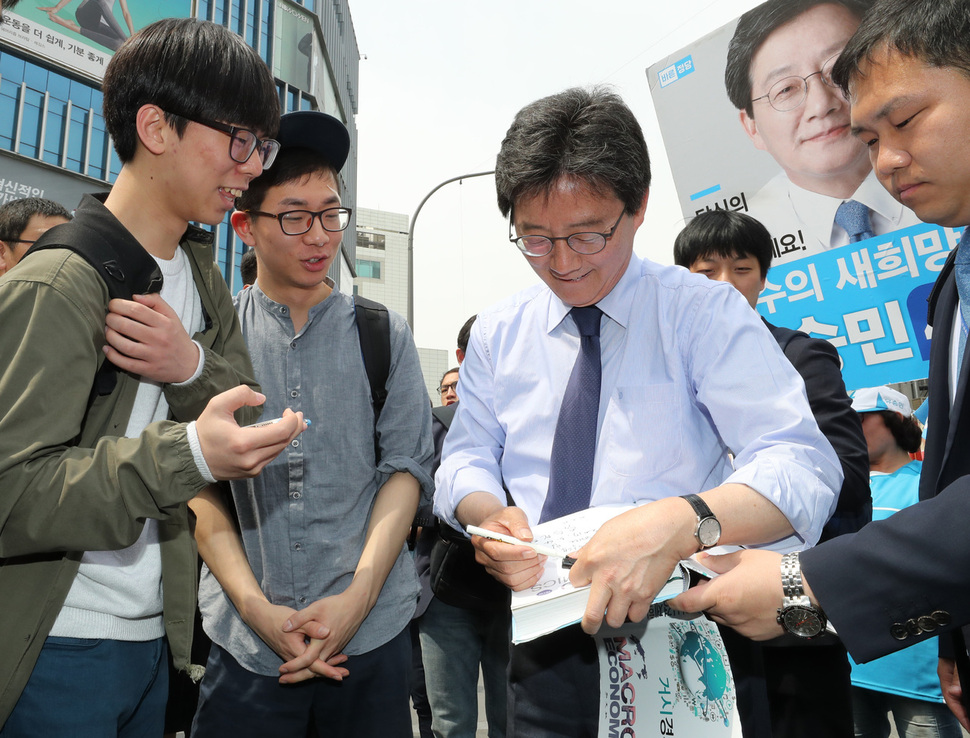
[(852, 262), (810, 139)]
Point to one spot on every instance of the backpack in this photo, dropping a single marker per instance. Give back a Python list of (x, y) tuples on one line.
[(134, 272)]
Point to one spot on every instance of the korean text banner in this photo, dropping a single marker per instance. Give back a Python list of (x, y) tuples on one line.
[(83, 34), (868, 299), (752, 123)]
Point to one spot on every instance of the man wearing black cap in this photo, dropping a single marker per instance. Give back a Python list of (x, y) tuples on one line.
[(318, 581)]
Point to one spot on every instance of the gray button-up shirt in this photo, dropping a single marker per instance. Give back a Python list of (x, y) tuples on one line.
[(304, 518)]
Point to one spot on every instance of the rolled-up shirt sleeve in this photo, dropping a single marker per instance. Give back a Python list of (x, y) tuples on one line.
[(472, 453), (758, 403)]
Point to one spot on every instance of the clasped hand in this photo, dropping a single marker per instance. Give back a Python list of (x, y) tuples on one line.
[(146, 337)]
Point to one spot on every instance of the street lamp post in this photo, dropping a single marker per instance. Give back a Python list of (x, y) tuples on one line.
[(411, 238)]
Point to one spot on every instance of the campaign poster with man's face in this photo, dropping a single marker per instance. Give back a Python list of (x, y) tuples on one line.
[(83, 34), (753, 122)]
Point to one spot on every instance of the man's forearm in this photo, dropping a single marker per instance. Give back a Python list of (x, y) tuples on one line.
[(746, 516), (477, 506), (390, 520), (221, 548)]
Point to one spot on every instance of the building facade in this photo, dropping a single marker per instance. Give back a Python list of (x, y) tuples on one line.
[(383, 275), (53, 141)]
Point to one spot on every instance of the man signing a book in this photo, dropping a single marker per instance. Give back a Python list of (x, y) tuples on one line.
[(616, 381)]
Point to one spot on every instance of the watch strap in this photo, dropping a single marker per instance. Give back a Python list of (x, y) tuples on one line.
[(700, 507)]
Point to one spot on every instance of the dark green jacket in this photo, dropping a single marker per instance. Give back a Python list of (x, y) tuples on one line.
[(68, 482)]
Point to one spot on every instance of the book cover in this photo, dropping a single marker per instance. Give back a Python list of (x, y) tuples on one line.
[(665, 676)]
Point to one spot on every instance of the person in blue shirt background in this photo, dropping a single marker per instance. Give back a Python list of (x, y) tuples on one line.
[(903, 683)]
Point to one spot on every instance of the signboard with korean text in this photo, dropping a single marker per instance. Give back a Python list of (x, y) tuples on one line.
[(20, 177), (867, 299), (83, 34), (752, 123)]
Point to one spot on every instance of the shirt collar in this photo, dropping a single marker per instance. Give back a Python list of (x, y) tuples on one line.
[(271, 306), (617, 305), (870, 193)]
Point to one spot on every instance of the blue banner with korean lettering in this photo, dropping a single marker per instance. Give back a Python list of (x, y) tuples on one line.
[(867, 299)]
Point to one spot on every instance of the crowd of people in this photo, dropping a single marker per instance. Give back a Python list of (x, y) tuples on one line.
[(241, 515)]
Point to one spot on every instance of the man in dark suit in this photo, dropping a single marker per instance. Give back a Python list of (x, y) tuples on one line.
[(905, 579), (780, 687)]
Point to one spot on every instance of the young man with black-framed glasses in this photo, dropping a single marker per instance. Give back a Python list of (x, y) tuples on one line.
[(97, 561), (318, 582)]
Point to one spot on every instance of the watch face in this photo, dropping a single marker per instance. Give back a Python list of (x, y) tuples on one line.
[(709, 532), (802, 621)]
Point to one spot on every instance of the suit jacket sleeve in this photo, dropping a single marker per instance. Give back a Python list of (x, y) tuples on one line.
[(907, 567), (817, 362)]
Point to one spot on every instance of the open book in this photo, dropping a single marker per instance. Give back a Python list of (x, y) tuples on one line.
[(553, 603)]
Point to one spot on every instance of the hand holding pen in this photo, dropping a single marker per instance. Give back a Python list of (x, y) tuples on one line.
[(567, 561)]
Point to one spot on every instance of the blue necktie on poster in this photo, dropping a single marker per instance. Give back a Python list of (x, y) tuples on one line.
[(853, 216), (961, 272), (574, 445)]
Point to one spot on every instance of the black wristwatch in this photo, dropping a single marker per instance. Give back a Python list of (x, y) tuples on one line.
[(797, 615), (708, 529)]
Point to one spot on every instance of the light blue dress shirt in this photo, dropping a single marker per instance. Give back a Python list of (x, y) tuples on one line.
[(690, 374)]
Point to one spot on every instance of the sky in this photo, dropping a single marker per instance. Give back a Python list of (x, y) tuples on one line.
[(441, 81)]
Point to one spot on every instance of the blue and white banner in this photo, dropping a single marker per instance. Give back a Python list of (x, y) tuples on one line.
[(868, 299)]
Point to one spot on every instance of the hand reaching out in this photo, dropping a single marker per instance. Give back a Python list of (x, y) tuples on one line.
[(234, 452)]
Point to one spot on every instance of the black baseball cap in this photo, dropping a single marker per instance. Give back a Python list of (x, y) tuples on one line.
[(320, 132)]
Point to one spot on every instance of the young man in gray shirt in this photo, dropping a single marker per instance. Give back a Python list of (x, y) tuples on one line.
[(322, 584)]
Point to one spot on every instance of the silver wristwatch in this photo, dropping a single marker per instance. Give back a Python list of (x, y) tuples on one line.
[(797, 614), (708, 529)]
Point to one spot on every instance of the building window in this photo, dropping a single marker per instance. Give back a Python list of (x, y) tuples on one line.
[(47, 132), (369, 240), (368, 269)]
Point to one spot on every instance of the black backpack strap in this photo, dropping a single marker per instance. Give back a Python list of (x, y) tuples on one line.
[(374, 331), (124, 272)]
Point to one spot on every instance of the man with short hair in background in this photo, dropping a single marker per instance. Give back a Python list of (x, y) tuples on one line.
[(779, 688), (22, 222), (448, 387)]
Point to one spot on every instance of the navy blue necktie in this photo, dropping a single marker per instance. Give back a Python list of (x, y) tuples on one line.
[(574, 445), (961, 272), (853, 216)]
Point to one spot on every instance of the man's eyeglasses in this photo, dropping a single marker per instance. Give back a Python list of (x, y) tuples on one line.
[(298, 222), (586, 242), (16, 240), (445, 388), (242, 141), (790, 92)]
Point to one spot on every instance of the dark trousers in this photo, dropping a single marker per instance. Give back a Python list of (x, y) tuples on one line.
[(370, 703), (419, 690), (554, 687), (798, 691)]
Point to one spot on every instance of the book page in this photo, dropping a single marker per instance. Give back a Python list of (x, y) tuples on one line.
[(567, 534)]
